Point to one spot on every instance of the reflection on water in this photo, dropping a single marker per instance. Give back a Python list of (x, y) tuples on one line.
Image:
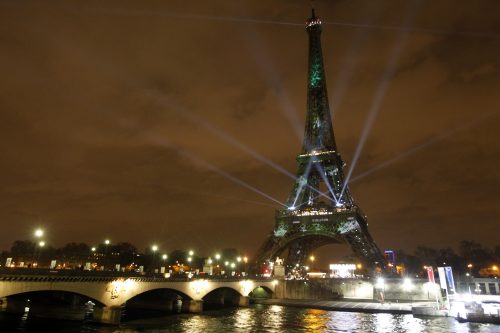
[(314, 320), (260, 318), (244, 319)]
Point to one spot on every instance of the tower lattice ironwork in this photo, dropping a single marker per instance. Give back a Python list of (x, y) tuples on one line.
[(320, 209)]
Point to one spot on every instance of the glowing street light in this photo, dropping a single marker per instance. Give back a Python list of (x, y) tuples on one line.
[(93, 249), (39, 233), (164, 257), (209, 261), (189, 259), (191, 252), (154, 248), (106, 241), (217, 256), (407, 285), (41, 244), (312, 258), (380, 283), (245, 259), (238, 259)]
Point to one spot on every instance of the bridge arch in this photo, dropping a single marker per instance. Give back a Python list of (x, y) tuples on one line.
[(51, 294), (222, 296), (168, 293), (155, 301), (261, 291)]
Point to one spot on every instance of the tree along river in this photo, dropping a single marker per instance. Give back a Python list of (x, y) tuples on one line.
[(259, 318)]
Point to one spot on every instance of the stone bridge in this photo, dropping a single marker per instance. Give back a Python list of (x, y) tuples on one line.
[(112, 291)]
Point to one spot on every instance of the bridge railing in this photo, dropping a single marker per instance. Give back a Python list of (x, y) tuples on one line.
[(40, 274)]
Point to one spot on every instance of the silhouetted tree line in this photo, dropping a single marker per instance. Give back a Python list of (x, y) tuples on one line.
[(75, 255), (71, 253), (470, 253)]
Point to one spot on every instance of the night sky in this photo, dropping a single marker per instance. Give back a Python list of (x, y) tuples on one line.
[(144, 121)]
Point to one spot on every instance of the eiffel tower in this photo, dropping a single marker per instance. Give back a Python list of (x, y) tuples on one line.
[(320, 209)]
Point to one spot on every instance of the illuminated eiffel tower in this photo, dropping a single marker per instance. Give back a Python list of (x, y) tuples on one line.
[(320, 209)]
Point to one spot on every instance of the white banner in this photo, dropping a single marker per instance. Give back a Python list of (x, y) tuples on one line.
[(442, 278)]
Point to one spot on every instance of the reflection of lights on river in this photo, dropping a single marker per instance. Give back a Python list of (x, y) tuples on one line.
[(384, 322), (315, 320), (388, 323), (275, 318), (196, 324), (244, 319), (343, 322)]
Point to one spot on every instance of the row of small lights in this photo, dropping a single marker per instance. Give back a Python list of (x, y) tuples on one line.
[(39, 233)]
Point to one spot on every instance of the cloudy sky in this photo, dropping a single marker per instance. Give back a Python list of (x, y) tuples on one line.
[(149, 121)]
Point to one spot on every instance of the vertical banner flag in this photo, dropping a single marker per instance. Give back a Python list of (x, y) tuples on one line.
[(430, 274), (449, 278), (442, 278)]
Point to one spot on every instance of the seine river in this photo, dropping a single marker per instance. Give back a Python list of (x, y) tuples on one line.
[(263, 318)]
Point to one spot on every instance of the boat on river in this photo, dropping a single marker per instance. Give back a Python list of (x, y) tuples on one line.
[(480, 312)]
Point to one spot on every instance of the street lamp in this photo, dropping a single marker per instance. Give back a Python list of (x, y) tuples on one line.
[(380, 285), (191, 253), (407, 284), (106, 257), (408, 287), (154, 248), (217, 256), (41, 244), (245, 260), (39, 233)]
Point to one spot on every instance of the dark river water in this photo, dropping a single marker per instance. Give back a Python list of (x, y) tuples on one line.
[(260, 318)]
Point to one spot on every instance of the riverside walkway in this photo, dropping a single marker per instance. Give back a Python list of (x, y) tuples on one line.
[(347, 306)]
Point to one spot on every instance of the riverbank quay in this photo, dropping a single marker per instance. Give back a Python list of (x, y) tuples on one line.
[(345, 305)]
